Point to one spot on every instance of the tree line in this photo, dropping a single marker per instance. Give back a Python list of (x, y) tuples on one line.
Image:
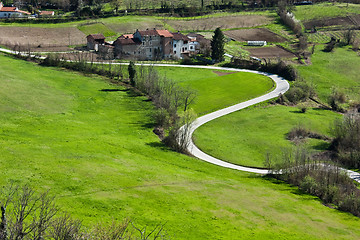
[(26, 214)]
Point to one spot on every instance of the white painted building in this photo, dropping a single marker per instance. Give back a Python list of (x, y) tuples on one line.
[(12, 12), (181, 45)]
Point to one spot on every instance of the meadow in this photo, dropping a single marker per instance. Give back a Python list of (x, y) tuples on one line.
[(216, 92), (246, 136), (96, 152), (325, 10), (338, 70)]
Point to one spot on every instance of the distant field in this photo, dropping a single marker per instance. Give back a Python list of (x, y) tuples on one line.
[(216, 92), (225, 22), (257, 34), (96, 152), (325, 10), (324, 37), (245, 137), (96, 28), (339, 69), (45, 37)]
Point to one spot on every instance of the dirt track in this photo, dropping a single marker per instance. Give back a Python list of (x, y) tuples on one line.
[(43, 38), (257, 34)]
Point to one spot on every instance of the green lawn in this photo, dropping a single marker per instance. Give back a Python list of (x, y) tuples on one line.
[(245, 137), (216, 92), (339, 69), (96, 151), (96, 28), (325, 10)]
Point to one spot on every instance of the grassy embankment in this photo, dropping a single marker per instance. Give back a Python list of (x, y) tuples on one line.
[(216, 92), (325, 10), (96, 151), (339, 69), (245, 137)]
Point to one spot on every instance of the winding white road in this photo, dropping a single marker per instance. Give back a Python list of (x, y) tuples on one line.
[(281, 87)]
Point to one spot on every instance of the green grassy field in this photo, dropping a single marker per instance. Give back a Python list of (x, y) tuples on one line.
[(339, 69), (216, 92), (245, 137), (325, 10), (96, 151), (96, 28)]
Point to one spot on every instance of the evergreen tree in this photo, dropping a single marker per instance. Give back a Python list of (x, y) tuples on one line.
[(217, 45), (132, 72)]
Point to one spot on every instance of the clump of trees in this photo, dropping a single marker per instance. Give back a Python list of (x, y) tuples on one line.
[(26, 214), (320, 178), (300, 91), (346, 141)]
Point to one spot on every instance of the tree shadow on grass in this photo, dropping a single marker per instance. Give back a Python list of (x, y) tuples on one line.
[(159, 145)]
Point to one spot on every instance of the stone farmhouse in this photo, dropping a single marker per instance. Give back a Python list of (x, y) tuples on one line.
[(150, 44), (12, 12)]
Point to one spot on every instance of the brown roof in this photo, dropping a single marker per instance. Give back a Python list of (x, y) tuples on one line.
[(152, 32), (179, 36), (126, 41), (164, 33), (97, 36)]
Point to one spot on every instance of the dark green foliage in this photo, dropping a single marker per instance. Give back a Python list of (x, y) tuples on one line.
[(347, 140), (300, 91), (132, 73), (217, 45)]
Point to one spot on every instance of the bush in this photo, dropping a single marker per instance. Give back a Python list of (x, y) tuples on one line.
[(300, 91)]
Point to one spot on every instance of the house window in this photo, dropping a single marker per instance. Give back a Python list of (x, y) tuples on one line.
[(150, 37), (174, 52), (191, 47), (143, 43), (174, 45), (150, 42), (186, 48), (149, 49)]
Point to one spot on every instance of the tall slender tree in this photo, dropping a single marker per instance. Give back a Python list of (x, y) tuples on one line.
[(217, 45)]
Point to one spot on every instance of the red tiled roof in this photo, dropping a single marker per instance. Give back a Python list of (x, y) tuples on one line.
[(127, 36), (47, 13), (8, 9), (164, 33), (12, 9)]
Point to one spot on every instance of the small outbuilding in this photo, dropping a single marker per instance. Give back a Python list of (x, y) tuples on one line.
[(256, 43), (94, 40)]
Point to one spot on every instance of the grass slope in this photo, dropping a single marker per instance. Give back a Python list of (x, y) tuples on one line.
[(96, 28), (325, 10), (96, 151), (246, 136), (339, 69), (217, 92)]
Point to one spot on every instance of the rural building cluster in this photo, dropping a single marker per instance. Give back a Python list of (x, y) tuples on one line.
[(150, 44), (15, 12)]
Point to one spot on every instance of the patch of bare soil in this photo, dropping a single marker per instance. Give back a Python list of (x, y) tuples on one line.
[(42, 39), (270, 52), (327, 22), (212, 23), (223, 73), (257, 34)]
